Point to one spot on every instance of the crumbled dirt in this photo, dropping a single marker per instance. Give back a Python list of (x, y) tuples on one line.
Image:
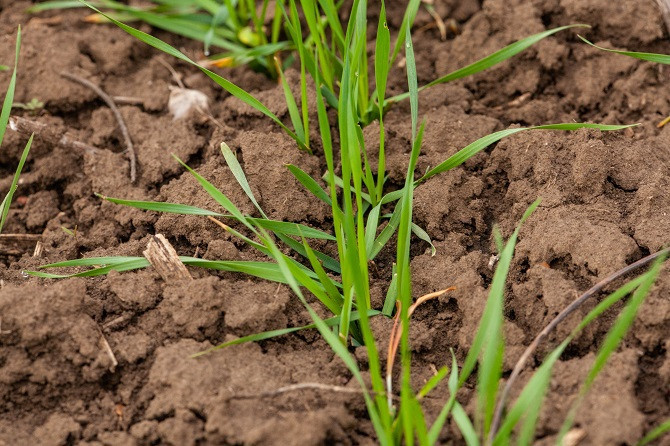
[(605, 204)]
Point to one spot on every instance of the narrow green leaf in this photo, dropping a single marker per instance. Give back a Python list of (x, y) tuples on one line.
[(171, 208), (652, 57), (9, 96), (655, 433), (423, 235), (612, 340), (473, 148), (490, 60), (433, 382), (310, 184), (333, 321), (7, 201)]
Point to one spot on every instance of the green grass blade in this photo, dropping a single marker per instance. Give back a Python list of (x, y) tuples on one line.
[(136, 263), (331, 322), (407, 22), (310, 184), (59, 4), (7, 201), (655, 433), (460, 416), (171, 208), (423, 235), (391, 294), (387, 232), (9, 96), (491, 60), (382, 67), (334, 341), (239, 175), (652, 57), (433, 382), (473, 148), (371, 229), (326, 281), (529, 400), (293, 111), (331, 11), (217, 195), (90, 261)]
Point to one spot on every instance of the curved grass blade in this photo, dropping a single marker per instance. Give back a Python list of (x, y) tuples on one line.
[(127, 265), (655, 433), (331, 322), (473, 148), (490, 60), (652, 57), (423, 235), (7, 201), (534, 389), (309, 183), (433, 382), (170, 208)]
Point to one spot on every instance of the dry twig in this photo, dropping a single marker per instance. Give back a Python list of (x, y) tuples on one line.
[(117, 114), (164, 258), (518, 368), (48, 134), (297, 387), (17, 244)]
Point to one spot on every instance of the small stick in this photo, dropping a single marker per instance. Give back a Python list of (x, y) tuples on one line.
[(554, 323), (15, 244), (296, 387), (39, 249), (164, 258), (47, 134), (108, 350), (117, 114), (128, 100)]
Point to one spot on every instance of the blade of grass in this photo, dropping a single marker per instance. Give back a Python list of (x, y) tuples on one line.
[(335, 343), (330, 322), (652, 57), (490, 60), (492, 305), (655, 433), (7, 201), (310, 184), (460, 416), (9, 96), (382, 67), (471, 149)]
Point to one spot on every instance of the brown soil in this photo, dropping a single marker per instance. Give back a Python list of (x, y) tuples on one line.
[(605, 205)]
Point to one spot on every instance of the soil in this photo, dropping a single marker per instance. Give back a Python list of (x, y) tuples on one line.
[(605, 204)]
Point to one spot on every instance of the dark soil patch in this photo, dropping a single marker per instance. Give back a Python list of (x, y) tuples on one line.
[(605, 205)]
